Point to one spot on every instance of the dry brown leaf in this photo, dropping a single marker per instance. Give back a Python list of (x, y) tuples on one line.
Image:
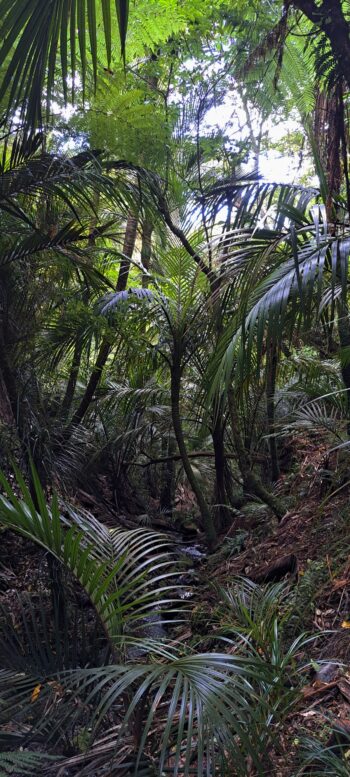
[(340, 584)]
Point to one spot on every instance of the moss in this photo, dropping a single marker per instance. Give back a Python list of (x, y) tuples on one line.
[(201, 616), (303, 599)]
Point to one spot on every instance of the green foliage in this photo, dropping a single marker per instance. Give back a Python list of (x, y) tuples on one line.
[(233, 287), (209, 699), (310, 583), (37, 36), (233, 545), (24, 762), (95, 556), (318, 759), (255, 610)]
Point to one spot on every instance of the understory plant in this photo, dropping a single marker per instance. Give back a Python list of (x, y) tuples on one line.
[(111, 689), (318, 758)]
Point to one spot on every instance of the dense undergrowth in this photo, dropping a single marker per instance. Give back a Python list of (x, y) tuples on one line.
[(140, 664), (174, 388)]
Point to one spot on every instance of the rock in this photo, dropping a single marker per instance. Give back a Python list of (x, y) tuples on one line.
[(327, 672)]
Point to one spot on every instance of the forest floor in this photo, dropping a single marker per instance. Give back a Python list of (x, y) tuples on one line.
[(316, 534)]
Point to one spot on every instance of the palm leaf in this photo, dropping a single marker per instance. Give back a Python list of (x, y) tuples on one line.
[(279, 289), (216, 706), (35, 36), (193, 704), (123, 572), (25, 763), (74, 180), (319, 759)]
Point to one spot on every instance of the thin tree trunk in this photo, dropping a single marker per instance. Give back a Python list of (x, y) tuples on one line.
[(178, 232), (6, 413), (220, 496), (9, 382), (167, 492), (344, 339), (251, 483), (271, 373), (335, 149), (73, 377), (146, 251), (208, 524), (128, 250), (91, 387), (105, 348)]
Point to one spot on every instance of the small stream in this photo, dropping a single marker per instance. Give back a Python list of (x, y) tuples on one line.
[(152, 626), (194, 551)]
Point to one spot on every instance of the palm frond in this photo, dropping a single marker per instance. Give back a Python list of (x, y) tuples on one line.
[(219, 707), (313, 416), (39, 35), (116, 568), (278, 291), (320, 759), (73, 180), (132, 294), (26, 763), (255, 201)]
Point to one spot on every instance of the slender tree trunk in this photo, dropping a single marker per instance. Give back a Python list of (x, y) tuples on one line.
[(6, 414), (91, 387), (251, 483), (334, 149), (271, 373), (207, 520), (167, 492), (146, 251), (9, 381), (73, 377), (235, 500), (102, 356), (344, 339), (220, 496), (208, 272), (128, 250)]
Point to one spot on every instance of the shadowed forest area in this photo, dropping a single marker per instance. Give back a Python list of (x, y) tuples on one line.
[(174, 388)]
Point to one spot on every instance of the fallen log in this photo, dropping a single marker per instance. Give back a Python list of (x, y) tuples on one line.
[(344, 687), (287, 565)]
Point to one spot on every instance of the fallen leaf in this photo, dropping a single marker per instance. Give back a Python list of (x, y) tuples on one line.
[(35, 693), (309, 714), (340, 584)]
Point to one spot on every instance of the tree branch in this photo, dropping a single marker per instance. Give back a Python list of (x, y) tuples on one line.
[(192, 455), (210, 274), (329, 17)]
